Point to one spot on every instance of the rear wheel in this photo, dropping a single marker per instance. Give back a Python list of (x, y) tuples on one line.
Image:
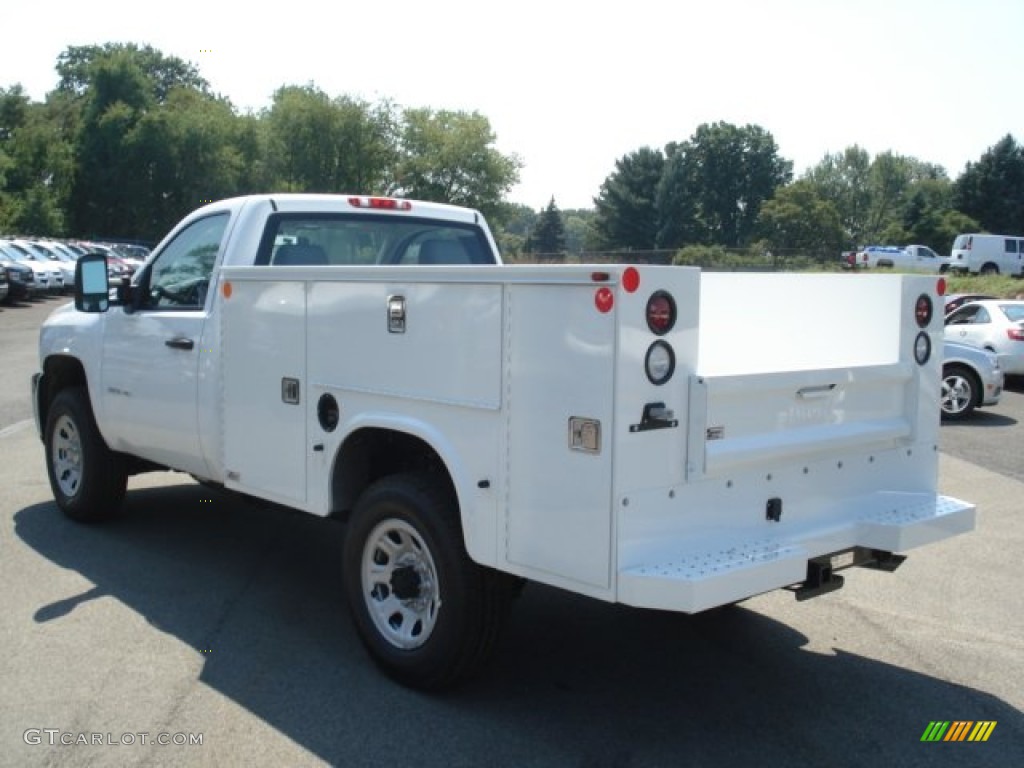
[(989, 269), (427, 614), (960, 392), (87, 478)]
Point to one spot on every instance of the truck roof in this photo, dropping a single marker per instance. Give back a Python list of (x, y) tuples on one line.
[(342, 203)]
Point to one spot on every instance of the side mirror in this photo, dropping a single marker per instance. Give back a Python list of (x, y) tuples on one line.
[(92, 284)]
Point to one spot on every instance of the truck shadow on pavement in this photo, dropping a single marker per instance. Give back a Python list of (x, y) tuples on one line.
[(575, 682)]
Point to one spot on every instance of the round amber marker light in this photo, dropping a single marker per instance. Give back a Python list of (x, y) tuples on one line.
[(226, 290)]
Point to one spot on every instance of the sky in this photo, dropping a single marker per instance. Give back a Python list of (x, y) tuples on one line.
[(571, 87)]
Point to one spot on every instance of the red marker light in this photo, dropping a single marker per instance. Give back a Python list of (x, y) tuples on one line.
[(631, 279), (604, 299), (940, 286)]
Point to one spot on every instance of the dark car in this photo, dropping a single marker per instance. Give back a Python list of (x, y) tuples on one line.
[(21, 280)]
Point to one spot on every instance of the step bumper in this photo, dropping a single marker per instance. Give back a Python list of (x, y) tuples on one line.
[(725, 571)]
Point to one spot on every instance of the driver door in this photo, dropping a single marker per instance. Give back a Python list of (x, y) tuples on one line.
[(152, 354)]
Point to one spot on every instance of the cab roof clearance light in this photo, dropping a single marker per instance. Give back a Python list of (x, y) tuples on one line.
[(380, 203)]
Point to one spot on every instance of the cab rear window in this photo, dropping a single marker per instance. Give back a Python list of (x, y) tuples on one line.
[(366, 239)]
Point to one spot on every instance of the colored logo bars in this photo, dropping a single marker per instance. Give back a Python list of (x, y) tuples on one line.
[(958, 730)]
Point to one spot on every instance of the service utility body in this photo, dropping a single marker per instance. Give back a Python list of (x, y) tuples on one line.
[(646, 435)]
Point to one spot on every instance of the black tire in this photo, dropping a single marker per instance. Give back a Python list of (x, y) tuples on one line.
[(87, 478), (961, 392), (427, 614), (989, 269)]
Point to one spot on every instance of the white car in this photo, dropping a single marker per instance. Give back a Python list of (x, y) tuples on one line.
[(58, 259), (996, 325), (40, 271), (971, 378), (47, 273)]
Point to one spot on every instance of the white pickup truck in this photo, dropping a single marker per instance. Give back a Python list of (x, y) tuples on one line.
[(919, 258), (648, 435)]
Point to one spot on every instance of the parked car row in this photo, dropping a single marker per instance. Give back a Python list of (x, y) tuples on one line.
[(33, 267)]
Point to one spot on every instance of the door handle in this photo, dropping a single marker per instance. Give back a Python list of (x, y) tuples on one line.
[(180, 343)]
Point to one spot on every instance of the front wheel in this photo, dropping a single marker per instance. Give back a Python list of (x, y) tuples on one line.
[(427, 614), (87, 478), (959, 393)]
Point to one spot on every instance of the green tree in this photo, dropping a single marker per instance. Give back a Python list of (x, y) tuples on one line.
[(320, 144), (626, 214), (511, 224), (578, 228), (106, 185), (75, 66), (991, 190), (449, 157), (872, 196), (798, 221), (843, 180), (548, 238), (929, 219), (714, 185), (677, 200), (184, 155)]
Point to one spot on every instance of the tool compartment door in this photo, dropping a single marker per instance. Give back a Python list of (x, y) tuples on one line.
[(559, 368), (263, 343)]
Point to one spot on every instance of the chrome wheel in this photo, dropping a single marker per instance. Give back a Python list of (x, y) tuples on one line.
[(957, 394), (399, 584), (67, 455)]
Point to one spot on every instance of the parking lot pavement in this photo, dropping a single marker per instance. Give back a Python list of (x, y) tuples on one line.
[(200, 615)]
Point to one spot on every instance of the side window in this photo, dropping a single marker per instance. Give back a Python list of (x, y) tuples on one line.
[(962, 316), (180, 276), (1011, 246), (981, 317)]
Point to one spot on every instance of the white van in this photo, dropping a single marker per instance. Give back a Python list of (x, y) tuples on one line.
[(988, 254)]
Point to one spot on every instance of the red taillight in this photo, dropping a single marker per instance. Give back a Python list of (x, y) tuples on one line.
[(661, 312), (923, 310), (940, 286), (604, 300), (1017, 334), (380, 203), (631, 279)]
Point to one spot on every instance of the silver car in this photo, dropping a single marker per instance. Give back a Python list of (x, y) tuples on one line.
[(971, 377)]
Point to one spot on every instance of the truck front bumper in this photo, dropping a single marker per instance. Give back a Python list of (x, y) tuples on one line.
[(725, 571)]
